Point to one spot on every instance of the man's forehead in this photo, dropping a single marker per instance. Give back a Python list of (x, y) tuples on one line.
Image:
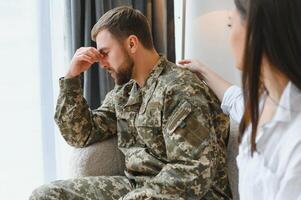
[(104, 38)]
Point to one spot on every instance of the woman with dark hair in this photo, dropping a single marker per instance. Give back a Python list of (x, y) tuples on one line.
[(266, 42)]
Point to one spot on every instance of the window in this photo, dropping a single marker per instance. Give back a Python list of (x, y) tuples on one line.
[(32, 49), (20, 112)]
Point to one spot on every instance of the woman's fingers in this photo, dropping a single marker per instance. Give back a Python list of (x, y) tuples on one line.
[(184, 62), (192, 65)]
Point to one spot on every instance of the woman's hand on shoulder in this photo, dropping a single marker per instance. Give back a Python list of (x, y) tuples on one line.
[(193, 65)]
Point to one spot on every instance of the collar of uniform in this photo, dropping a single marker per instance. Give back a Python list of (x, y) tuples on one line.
[(130, 93), (123, 92), (150, 84), (134, 95), (155, 73)]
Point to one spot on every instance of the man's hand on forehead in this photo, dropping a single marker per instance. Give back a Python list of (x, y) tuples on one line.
[(83, 59)]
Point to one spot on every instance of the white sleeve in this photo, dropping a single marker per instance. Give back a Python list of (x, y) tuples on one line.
[(233, 104)]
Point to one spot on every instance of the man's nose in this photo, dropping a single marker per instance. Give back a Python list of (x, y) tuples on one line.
[(103, 64)]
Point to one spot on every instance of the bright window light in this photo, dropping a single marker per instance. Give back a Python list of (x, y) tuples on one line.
[(21, 167)]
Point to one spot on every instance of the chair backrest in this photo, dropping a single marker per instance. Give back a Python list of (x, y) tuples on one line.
[(99, 159), (232, 150)]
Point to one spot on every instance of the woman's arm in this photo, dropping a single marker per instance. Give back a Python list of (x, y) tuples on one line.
[(213, 80)]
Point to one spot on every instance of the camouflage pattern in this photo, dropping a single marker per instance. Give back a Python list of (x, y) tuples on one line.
[(84, 188), (171, 131)]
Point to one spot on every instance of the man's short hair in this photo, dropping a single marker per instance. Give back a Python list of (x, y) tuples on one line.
[(122, 22)]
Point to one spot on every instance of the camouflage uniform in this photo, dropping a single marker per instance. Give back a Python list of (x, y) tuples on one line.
[(171, 131)]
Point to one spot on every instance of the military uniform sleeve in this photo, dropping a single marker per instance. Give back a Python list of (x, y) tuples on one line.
[(79, 125), (191, 144)]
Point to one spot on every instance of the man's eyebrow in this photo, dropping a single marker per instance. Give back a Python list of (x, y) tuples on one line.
[(101, 50)]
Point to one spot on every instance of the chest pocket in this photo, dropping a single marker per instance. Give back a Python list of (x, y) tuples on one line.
[(125, 129), (149, 128), (151, 117), (150, 110)]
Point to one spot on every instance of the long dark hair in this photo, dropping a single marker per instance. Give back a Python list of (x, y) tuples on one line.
[(273, 30)]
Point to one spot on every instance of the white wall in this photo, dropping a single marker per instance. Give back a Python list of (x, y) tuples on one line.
[(207, 36)]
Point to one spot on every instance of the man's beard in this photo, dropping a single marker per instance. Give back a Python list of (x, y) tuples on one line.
[(124, 75)]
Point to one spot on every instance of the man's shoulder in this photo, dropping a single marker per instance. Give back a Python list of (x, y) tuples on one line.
[(174, 75), (182, 84)]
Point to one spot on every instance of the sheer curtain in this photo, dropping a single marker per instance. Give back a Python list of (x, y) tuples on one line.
[(53, 63), (60, 63)]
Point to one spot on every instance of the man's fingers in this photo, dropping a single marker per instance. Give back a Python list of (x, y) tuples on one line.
[(90, 54), (95, 51), (86, 58), (90, 51)]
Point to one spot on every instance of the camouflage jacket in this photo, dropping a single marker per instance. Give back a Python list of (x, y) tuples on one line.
[(171, 131)]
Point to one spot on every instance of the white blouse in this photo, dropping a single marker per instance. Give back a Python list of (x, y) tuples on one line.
[(274, 171)]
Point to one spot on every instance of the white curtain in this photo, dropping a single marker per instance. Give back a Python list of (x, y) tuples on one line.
[(60, 64)]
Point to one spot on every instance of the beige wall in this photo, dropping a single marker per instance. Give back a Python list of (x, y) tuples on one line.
[(207, 36)]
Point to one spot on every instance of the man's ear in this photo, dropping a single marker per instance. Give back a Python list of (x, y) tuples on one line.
[(132, 43)]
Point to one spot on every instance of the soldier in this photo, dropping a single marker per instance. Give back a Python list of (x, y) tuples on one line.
[(170, 127)]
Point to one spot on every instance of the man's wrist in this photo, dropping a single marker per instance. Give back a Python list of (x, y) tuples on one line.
[(70, 84), (70, 75)]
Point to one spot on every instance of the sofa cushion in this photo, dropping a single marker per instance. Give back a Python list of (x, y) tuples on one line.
[(99, 159), (232, 150)]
